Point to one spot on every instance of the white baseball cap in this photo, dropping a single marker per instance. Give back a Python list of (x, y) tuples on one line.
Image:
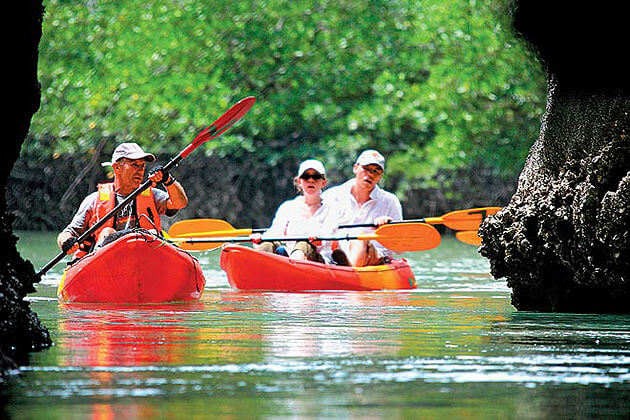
[(313, 164), (129, 151), (371, 157)]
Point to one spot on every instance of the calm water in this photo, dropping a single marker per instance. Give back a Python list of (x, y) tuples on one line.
[(454, 347)]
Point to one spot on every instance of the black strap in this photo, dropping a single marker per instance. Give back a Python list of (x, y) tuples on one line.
[(150, 215)]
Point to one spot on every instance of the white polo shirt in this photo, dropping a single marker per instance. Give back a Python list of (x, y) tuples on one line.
[(381, 203)]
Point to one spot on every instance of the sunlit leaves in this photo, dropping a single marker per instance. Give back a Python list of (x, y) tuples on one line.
[(434, 84)]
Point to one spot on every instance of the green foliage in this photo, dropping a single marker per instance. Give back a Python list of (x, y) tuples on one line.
[(437, 84)]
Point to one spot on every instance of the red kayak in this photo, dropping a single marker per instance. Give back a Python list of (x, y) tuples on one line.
[(248, 269), (135, 268)]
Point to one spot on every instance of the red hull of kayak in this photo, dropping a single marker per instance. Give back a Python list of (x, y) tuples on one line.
[(136, 268), (248, 269)]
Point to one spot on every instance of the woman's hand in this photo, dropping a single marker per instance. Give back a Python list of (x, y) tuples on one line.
[(256, 238), (382, 220), (314, 241)]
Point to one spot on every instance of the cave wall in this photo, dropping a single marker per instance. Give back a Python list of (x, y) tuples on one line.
[(562, 242), (20, 329)]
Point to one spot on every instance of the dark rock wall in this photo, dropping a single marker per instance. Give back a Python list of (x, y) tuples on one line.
[(20, 329), (563, 242)]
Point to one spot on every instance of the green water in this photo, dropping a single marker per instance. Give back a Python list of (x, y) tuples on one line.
[(454, 347)]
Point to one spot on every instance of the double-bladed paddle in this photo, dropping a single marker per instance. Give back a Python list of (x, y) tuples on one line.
[(398, 238), (223, 123), (468, 220)]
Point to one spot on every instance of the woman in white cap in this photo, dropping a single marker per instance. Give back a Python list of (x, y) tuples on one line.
[(305, 215)]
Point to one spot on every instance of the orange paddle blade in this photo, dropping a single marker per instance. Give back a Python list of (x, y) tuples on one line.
[(469, 219), (469, 237), (203, 228), (405, 237), (222, 124), (188, 228)]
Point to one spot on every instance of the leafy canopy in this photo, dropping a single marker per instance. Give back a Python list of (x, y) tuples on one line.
[(435, 84)]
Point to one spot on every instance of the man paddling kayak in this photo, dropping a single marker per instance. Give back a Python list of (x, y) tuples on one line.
[(360, 200), (129, 163)]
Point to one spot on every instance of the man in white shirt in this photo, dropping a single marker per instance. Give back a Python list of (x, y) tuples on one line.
[(360, 200)]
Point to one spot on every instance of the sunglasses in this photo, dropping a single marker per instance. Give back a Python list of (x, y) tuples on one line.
[(372, 170), (315, 177)]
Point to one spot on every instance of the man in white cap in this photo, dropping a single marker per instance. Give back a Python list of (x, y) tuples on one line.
[(360, 201), (129, 163)]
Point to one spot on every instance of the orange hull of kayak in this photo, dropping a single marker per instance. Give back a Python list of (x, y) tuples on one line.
[(248, 269), (136, 268)]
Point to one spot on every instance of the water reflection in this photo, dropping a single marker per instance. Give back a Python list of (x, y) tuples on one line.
[(564, 348), (599, 332), (124, 335), (453, 347), (328, 325)]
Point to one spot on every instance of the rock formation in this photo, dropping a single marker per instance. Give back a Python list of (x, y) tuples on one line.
[(563, 241), (20, 329)]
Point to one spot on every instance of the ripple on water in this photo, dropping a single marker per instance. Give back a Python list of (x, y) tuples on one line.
[(531, 370), (456, 328)]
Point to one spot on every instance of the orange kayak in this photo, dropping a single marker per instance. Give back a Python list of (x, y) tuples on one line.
[(135, 268), (248, 269)]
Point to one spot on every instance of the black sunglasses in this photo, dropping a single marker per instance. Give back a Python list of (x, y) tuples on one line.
[(315, 177), (372, 170)]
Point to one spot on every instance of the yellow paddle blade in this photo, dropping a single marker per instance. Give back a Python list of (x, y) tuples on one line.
[(186, 228), (405, 237), (469, 237), (469, 219)]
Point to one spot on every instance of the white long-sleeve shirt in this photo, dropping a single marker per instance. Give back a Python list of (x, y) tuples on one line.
[(293, 218)]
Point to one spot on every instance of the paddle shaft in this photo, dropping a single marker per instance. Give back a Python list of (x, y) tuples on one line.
[(393, 222), (232, 239), (457, 220), (232, 232)]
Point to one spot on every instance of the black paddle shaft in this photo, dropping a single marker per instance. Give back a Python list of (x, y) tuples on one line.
[(389, 223), (232, 239), (146, 184)]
